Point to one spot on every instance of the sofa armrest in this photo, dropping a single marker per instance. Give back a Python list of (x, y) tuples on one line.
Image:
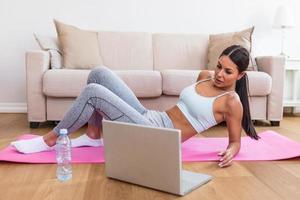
[(274, 66), (37, 62)]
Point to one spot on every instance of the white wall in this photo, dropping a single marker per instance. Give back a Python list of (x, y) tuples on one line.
[(19, 19)]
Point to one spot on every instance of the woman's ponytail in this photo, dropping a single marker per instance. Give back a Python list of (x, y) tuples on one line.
[(242, 90)]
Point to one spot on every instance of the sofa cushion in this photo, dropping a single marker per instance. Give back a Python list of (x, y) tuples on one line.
[(51, 45), (260, 83), (174, 81), (219, 42), (180, 51), (64, 82), (144, 83), (80, 48), (69, 83), (47, 42), (126, 50)]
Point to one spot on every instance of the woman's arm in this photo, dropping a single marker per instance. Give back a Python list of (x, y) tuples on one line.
[(234, 125)]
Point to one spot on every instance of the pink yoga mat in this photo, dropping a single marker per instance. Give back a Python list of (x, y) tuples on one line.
[(271, 146)]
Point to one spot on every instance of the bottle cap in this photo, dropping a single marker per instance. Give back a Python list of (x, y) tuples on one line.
[(63, 131)]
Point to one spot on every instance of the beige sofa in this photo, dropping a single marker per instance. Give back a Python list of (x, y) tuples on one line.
[(155, 66)]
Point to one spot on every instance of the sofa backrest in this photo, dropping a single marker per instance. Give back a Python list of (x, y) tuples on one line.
[(158, 51), (126, 50), (146, 51), (180, 51)]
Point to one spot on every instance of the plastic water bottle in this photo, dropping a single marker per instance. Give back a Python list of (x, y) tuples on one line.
[(63, 156)]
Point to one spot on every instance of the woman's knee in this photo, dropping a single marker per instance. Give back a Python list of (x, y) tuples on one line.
[(92, 88), (98, 74)]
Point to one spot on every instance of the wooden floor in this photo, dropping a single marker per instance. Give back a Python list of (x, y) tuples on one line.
[(243, 180)]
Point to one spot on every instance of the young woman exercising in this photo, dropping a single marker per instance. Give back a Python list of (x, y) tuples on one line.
[(214, 98)]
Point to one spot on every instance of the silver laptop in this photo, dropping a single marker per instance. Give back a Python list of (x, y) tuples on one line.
[(148, 156)]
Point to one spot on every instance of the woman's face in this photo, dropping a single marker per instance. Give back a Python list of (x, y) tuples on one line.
[(226, 73)]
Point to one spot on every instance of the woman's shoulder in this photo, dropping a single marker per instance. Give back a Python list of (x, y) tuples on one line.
[(233, 102), (205, 74)]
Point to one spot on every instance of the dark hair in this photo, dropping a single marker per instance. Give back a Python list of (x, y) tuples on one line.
[(240, 56)]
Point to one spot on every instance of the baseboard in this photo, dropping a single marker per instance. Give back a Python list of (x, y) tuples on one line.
[(289, 110), (13, 108)]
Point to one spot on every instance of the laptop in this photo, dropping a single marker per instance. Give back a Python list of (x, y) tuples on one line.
[(148, 156)]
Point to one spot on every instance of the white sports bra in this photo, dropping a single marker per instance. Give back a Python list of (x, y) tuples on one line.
[(196, 108)]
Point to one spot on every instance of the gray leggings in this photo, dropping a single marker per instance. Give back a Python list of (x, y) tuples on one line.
[(107, 96)]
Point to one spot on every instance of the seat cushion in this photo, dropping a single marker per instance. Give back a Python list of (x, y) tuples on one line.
[(260, 83), (69, 83), (174, 81), (144, 83)]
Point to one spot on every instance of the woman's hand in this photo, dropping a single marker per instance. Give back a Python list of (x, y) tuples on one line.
[(228, 154)]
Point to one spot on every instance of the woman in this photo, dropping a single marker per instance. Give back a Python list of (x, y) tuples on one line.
[(214, 98)]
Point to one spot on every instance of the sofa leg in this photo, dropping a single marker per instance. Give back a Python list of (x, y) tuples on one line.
[(34, 124), (275, 123)]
